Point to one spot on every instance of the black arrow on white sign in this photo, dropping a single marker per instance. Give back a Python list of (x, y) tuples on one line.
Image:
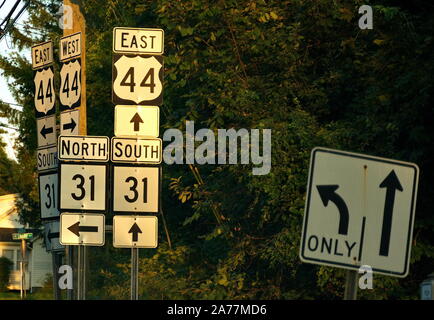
[(135, 230), (70, 126), (76, 228), (328, 193), (45, 131), (136, 120), (391, 183)]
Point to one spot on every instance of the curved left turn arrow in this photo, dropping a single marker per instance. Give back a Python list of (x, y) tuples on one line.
[(328, 193)]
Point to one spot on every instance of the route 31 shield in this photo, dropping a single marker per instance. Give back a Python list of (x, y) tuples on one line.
[(137, 80), (70, 85), (44, 92)]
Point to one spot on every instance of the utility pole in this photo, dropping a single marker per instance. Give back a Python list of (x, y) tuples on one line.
[(78, 24)]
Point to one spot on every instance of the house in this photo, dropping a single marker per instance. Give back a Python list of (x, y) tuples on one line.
[(39, 260)]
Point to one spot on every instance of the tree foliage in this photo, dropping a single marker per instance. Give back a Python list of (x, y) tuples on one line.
[(301, 68)]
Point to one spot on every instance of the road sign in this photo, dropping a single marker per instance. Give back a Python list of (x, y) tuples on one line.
[(137, 80), (46, 128), (138, 40), (143, 151), (359, 211), (70, 46), (22, 236), (70, 85), (44, 92), (47, 158), (52, 235), (42, 54), (49, 195), (136, 189), (84, 148), (70, 122), (135, 231), (82, 229), (137, 121), (83, 187)]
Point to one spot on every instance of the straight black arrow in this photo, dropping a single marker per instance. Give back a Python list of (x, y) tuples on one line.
[(136, 120), (45, 131), (328, 193), (70, 126), (391, 183), (76, 228), (135, 230)]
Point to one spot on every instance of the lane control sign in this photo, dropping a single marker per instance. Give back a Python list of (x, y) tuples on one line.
[(359, 211)]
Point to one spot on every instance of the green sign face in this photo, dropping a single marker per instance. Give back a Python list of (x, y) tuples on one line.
[(20, 236)]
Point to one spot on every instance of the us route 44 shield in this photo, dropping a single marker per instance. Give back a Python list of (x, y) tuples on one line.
[(359, 211), (137, 80)]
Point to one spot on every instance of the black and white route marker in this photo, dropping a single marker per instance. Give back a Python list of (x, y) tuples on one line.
[(359, 211), (135, 231), (82, 229)]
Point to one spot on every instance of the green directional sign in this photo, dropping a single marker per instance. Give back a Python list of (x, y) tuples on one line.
[(20, 236)]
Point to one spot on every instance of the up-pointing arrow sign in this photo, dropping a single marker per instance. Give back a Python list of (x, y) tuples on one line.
[(137, 121)]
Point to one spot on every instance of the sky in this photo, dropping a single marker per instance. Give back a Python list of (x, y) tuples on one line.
[(5, 95)]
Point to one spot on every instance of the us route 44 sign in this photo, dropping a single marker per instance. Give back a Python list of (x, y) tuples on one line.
[(137, 80), (359, 211), (70, 85), (44, 92)]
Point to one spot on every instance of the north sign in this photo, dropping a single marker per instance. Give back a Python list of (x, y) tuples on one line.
[(359, 211), (142, 151), (84, 148)]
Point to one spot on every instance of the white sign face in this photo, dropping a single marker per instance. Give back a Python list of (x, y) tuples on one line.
[(46, 131), (51, 236), (70, 85), (359, 211), (138, 40), (44, 92), (47, 158), (137, 80), (85, 148), (135, 232), (143, 151), (82, 229), (137, 121), (49, 195), (83, 187), (42, 54), (70, 122), (136, 189), (70, 46)]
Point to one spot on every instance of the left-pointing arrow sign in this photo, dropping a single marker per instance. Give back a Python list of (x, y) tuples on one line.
[(45, 131), (76, 228), (328, 193)]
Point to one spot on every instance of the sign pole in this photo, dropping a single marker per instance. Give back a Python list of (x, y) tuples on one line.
[(134, 273), (351, 285), (78, 25), (23, 270)]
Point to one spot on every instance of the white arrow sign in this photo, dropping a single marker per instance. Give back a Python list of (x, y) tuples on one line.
[(135, 232), (359, 211), (70, 122), (46, 130), (137, 121), (52, 235), (82, 229)]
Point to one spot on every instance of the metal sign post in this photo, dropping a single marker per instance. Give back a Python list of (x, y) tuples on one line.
[(134, 274), (351, 285), (23, 270)]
